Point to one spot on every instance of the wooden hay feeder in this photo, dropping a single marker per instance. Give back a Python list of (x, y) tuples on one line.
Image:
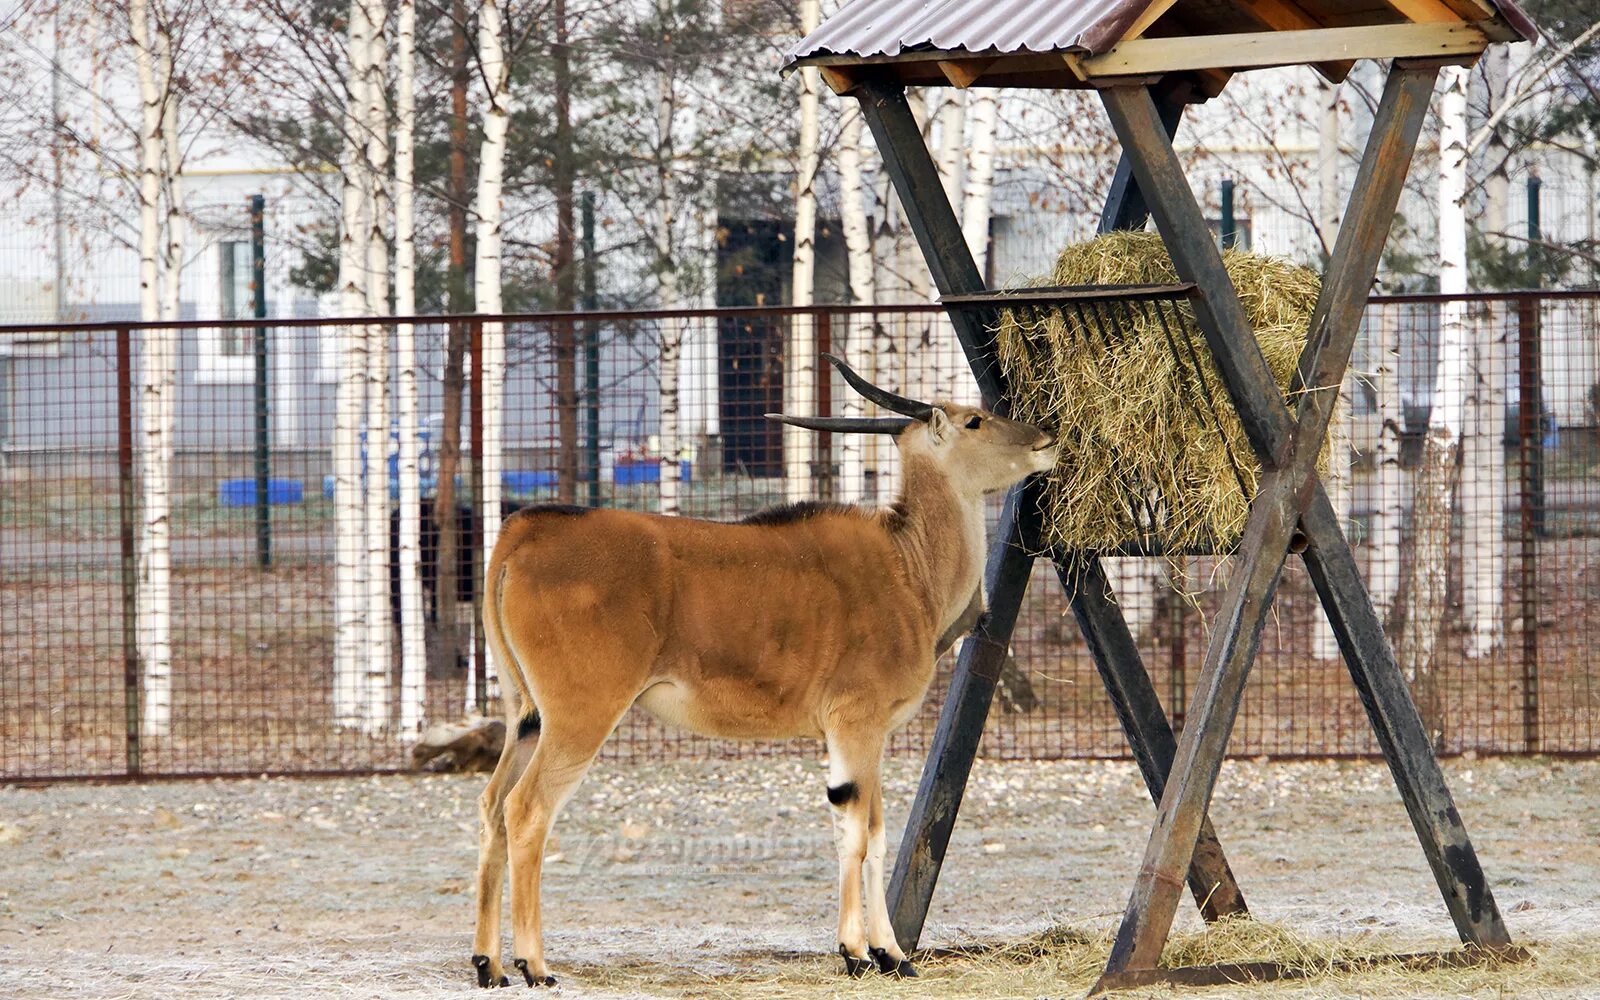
[(1147, 59)]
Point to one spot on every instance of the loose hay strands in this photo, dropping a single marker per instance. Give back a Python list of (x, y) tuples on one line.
[(1064, 960), (1145, 423)]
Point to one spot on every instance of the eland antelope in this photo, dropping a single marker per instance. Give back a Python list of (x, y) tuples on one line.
[(812, 620)]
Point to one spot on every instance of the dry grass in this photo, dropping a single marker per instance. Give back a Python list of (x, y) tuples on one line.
[(1145, 456), (1066, 961)]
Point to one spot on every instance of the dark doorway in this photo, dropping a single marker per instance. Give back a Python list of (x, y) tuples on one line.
[(754, 263)]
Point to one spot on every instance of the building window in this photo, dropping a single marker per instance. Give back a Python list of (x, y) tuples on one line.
[(237, 297), (227, 354), (1241, 232)]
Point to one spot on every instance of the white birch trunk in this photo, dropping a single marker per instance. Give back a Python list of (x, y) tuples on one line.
[(413, 641), (1483, 484), (800, 384), (1435, 482), (1388, 519), (379, 654), (669, 394), (1324, 645), (948, 374), (490, 211), (978, 202), (157, 383), (349, 500), (1133, 582), (857, 330)]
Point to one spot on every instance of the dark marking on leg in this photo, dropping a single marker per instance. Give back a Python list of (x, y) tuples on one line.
[(529, 726), (841, 794), (900, 968), (533, 980), (854, 967)]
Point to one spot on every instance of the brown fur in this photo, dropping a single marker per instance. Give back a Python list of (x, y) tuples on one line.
[(818, 620)]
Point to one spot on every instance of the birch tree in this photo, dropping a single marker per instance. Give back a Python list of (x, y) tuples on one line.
[(489, 208), (351, 566), (947, 375), (978, 203), (1483, 492), (151, 37), (800, 381), (1388, 519), (1433, 502), (858, 329), (379, 653), (413, 642), (1329, 158), (670, 332)]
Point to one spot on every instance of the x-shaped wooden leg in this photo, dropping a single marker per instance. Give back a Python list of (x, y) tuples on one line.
[(972, 687), (1289, 494)]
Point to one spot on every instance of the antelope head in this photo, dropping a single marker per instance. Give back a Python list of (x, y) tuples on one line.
[(979, 451)]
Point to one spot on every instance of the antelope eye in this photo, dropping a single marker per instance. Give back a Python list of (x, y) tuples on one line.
[(974, 422)]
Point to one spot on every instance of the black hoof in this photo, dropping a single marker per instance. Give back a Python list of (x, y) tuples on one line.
[(485, 980), (533, 980), (900, 968), (854, 967)]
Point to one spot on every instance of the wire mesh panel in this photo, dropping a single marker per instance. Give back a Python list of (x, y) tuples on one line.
[(229, 665)]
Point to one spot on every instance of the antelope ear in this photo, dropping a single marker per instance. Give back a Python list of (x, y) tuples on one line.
[(940, 429)]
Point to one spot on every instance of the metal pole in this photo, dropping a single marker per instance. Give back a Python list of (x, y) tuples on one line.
[(258, 289), (1530, 504), (1531, 356), (1534, 184), (130, 566), (479, 647), (1229, 235), (591, 358), (823, 374)]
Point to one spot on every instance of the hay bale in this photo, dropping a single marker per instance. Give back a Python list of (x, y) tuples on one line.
[(1143, 458)]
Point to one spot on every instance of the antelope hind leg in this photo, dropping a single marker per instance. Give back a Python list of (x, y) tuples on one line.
[(492, 851)]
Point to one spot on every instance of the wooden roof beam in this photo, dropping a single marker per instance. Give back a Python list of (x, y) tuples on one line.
[(963, 73), (1143, 22), (1286, 15), (1154, 56), (1426, 11)]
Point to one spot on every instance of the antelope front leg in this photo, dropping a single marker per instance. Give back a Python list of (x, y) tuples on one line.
[(881, 943), (853, 760)]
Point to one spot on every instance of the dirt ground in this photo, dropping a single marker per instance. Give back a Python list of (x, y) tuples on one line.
[(717, 878)]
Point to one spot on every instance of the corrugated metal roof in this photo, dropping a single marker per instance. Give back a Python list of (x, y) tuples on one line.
[(889, 27)]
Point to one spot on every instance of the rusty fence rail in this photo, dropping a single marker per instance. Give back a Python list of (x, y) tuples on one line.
[(252, 527)]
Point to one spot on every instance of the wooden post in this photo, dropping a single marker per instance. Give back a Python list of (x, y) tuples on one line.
[(1287, 448), (922, 849)]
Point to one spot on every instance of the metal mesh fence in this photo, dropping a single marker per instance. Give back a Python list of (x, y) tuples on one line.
[(252, 523)]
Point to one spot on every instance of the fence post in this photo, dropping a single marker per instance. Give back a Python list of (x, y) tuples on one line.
[(480, 671), (130, 566), (591, 359), (822, 380), (258, 288), (1530, 504)]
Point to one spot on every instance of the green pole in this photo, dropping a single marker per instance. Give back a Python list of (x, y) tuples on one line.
[(591, 358), (1230, 235), (1534, 183), (258, 288)]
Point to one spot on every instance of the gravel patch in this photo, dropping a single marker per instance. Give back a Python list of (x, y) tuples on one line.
[(700, 874)]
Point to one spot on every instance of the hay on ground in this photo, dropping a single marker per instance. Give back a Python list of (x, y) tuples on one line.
[(1145, 457)]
